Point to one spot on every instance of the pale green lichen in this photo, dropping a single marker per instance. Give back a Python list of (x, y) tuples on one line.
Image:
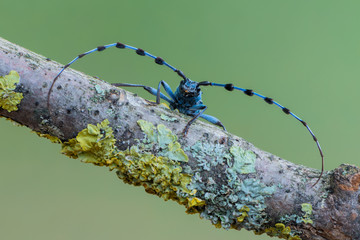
[(307, 209), (9, 99), (164, 135), (163, 140), (167, 118), (149, 129), (244, 161)]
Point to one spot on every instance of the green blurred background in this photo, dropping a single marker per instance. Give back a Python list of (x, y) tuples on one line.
[(305, 54)]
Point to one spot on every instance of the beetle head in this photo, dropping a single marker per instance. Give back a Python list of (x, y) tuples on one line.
[(189, 88)]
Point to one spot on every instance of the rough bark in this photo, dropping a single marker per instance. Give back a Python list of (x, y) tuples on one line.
[(78, 100)]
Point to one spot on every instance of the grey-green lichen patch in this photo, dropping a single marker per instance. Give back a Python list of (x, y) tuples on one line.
[(9, 99), (97, 98), (290, 218), (162, 140), (99, 90), (99, 93), (242, 205), (203, 151), (306, 208), (232, 199), (167, 118)]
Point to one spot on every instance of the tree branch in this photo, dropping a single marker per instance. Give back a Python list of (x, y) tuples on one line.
[(226, 179)]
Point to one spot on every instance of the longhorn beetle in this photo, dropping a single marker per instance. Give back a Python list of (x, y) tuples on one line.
[(187, 97)]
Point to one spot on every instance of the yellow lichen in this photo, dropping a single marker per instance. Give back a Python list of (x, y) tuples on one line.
[(94, 144), (294, 238), (218, 225), (159, 175), (193, 202), (53, 139), (244, 213), (280, 231), (9, 99), (307, 209), (165, 105)]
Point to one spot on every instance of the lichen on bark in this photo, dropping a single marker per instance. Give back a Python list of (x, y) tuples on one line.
[(9, 98)]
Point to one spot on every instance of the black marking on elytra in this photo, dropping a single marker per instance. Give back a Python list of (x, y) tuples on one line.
[(249, 92), (140, 52)]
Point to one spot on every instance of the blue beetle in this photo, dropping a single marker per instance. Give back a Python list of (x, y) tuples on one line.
[(187, 97)]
